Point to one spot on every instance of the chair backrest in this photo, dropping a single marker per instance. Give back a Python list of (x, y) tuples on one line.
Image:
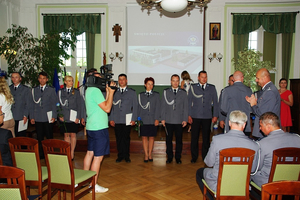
[(234, 172), (15, 187), (275, 190), (26, 158), (285, 165), (59, 162)]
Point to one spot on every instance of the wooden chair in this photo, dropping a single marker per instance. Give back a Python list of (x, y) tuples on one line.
[(285, 166), (275, 190), (15, 187), (234, 174), (62, 176), (29, 160)]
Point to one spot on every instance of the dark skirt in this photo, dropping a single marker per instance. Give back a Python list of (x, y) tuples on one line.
[(69, 127), (148, 130)]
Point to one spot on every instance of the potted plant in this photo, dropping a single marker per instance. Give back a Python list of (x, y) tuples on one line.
[(29, 55), (249, 62)]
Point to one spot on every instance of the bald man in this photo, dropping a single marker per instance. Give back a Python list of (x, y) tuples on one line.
[(233, 98), (268, 101)]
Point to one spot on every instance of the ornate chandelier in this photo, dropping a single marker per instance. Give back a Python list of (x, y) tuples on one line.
[(173, 5)]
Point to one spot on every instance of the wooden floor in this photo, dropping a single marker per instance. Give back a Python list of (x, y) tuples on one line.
[(139, 180)]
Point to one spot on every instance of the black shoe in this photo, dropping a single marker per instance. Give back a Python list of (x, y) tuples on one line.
[(128, 160), (150, 160), (193, 161), (169, 161), (119, 160), (145, 161), (178, 161)]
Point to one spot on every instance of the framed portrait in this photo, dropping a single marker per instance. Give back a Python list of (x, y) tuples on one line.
[(214, 31)]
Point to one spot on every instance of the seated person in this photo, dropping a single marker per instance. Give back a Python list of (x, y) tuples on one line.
[(270, 125), (234, 138), (4, 147)]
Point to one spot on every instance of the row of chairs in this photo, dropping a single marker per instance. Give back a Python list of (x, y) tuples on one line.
[(59, 173), (234, 175)]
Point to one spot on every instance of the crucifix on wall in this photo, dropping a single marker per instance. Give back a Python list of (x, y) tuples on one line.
[(117, 31)]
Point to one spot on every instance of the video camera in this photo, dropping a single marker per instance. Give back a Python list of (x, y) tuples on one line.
[(100, 82)]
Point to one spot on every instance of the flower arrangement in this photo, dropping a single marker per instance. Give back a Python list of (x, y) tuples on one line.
[(59, 114), (138, 124)]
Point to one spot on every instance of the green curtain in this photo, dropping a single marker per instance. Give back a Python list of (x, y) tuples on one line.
[(240, 43), (90, 49), (272, 23), (276, 23), (287, 42), (79, 22)]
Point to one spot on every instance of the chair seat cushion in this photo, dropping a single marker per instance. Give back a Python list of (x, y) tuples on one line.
[(82, 175), (254, 185)]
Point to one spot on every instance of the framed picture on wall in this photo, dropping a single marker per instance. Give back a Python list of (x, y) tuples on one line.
[(214, 31)]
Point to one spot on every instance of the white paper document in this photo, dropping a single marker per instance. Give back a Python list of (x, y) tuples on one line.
[(49, 115), (22, 126), (73, 115), (128, 118)]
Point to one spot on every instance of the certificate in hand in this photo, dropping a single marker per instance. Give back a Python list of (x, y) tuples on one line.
[(22, 126)]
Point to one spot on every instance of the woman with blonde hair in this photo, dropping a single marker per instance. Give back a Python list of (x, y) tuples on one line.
[(70, 103), (6, 100)]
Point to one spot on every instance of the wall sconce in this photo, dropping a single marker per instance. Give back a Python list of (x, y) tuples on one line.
[(215, 56), (118, 55)]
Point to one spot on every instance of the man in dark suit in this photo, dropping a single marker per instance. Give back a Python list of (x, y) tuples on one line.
[(124, 103), (4, 147), (233, 98), (44, 111), (174, 116), (269, 100), (20, 108), (203, 110)]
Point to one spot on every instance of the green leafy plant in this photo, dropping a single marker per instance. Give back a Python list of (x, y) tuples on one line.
[(249, 62), (29, 55)]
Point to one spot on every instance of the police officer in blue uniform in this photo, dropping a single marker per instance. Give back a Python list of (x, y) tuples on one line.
[(124, 103), (174, 116), (203, 110), (21, 107), (44, 111)]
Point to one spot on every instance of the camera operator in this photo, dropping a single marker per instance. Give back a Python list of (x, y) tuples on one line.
[(97, 108)]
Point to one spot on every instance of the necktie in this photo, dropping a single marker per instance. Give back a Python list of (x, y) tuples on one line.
[(42, 89), (175, 91), (202, 87), (122, 90), (16, 88), (148, 94), (68, 91)]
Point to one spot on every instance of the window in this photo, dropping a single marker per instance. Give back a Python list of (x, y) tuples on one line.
[(78, 62), (252, 44), (256, 39)]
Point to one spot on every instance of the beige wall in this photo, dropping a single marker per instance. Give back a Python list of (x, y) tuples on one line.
[(27, 14)]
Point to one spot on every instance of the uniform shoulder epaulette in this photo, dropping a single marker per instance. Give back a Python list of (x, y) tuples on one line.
[(11, 85), (76, 89), (166, 88), (131, 89), (25, 86), (154, 92)]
